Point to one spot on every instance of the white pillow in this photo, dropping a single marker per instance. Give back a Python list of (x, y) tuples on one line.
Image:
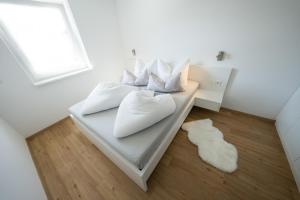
[(139, 67), (160, 68), (105, 96), (172, 84), (183, 68), (166, 73), (140, 76), (129, 78), (164, 70), (141, 109)]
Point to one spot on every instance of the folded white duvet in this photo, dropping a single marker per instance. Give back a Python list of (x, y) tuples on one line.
[(105, 96), (141, 109)]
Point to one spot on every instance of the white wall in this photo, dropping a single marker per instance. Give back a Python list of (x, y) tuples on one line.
[(29, 108), (261, 38), (19, 179)]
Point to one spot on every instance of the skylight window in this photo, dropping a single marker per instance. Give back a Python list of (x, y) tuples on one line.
[(44, 39)]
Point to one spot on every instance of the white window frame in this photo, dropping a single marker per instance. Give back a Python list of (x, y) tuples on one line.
[(22, 59)]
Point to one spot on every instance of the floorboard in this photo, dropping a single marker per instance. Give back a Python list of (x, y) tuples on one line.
[(70, 167)]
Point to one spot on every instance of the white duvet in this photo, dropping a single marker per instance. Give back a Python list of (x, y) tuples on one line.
[(105, 96), (141, 109)]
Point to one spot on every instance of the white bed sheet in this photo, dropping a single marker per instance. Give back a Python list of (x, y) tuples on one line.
[(139, 147)]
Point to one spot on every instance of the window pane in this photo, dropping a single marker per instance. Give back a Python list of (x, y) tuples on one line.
[(43, 35)]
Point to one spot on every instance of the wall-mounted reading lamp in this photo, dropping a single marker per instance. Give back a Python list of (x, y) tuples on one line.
[(133, 52), (220, 56)]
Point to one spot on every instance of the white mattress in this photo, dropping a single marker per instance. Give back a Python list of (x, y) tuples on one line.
[(136, 148)]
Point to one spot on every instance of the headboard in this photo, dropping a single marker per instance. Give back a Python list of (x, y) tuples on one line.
[(210, 78)]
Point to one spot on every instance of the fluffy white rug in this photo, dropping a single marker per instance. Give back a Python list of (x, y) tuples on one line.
[(212, 148)]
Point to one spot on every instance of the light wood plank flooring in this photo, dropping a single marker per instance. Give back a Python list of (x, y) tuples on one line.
[(71, 167)]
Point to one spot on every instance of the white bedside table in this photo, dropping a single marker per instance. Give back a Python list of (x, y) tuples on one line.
[(213, 82), (209, 99)]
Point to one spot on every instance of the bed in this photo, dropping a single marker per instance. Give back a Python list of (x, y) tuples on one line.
[(137, 155)]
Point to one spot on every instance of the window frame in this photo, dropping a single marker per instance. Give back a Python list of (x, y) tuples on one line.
[(20, 57)]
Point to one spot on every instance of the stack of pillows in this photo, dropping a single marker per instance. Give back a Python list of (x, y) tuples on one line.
[(139, 109), (158, 75)]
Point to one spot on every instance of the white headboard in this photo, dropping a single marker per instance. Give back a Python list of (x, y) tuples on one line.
[(210, 78)]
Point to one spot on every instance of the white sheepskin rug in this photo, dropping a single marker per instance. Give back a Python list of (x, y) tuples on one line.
[(212, 148)]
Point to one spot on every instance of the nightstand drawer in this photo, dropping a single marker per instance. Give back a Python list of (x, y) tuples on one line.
[(207, 104)]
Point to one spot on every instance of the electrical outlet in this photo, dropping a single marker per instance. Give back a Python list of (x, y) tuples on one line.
[(219, 83), (215, 84)]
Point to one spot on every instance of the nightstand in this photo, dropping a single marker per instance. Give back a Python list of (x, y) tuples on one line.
[(213, 82), (209, 99)]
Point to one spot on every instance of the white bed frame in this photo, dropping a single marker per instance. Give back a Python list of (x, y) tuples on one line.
[(140, 177), (208, 77)]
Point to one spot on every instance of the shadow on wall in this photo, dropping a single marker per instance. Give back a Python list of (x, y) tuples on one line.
[(232, 77)]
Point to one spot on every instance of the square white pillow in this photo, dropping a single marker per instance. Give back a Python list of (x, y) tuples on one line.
[(139, 67), (183, 68), (167, 72), (129, 78), (140, 76), (162, 69), (173, 83)]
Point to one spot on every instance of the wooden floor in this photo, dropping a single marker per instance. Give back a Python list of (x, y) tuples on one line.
[(71, 167)]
